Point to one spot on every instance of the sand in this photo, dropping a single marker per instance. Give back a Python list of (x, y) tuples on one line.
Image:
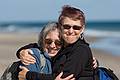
[(10, 42)]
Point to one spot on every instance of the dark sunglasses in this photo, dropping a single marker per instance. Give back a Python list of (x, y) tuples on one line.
[(49, 41), (75, 27)]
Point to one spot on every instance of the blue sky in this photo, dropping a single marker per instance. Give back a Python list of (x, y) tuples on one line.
[(47, 10)]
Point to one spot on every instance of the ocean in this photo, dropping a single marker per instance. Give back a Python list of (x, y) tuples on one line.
[(109, 31)]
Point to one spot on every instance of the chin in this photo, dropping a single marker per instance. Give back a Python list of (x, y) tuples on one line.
[(51, 55), (70, 41)]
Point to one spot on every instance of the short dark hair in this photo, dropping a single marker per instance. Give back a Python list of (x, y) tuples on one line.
[(73, 13)]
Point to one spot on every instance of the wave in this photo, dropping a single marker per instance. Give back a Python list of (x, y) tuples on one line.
[(111, 45), (102, 33), (21, 26), (110, 40), (20, 29)]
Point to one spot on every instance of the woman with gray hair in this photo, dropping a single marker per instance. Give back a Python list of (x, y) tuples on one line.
[(49, 43)]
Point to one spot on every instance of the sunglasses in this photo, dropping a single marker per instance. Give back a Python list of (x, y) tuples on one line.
[(49, 41), (75, 27)]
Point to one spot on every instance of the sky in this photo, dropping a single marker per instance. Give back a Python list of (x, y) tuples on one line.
[(49, 10)]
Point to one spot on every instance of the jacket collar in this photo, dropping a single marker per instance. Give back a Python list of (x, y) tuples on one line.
[(69, 48)]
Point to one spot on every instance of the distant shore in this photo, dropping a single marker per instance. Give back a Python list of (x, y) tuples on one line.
[(10, 42)]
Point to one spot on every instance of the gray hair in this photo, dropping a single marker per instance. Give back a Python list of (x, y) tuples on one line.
[(51, 26)]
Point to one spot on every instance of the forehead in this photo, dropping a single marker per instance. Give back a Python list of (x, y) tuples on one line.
[(71, 21), (53, 34)]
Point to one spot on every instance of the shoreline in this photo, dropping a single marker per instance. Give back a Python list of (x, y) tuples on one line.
[(11, 42)]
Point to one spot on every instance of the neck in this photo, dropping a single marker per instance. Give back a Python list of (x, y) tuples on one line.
[(65, 44)]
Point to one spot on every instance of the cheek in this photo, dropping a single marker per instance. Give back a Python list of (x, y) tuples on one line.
[(46, 48), (77, 32), (59, 47), (65, 32)]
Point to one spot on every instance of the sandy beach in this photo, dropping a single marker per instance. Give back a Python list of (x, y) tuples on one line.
[(10, 42)]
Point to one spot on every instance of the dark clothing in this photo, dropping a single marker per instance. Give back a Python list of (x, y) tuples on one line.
[(39, 76), (74, 59), (11, 73)]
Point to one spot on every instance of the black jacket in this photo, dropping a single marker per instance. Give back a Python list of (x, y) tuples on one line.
[(74, 59), (11, 72)]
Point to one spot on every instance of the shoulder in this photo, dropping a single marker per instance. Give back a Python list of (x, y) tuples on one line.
[(31, 45), (81, 49), (35, 50)]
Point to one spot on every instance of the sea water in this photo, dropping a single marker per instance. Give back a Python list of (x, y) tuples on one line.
[(109, 31)]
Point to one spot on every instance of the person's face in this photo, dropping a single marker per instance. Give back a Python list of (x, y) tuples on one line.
[(52, 43), (71, 30)]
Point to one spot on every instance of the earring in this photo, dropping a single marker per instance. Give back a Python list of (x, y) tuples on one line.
[(81, 36)]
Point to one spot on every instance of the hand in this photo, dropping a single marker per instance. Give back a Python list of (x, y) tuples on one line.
[(70, 77), (95, 63), (22, 74), (26, 57)]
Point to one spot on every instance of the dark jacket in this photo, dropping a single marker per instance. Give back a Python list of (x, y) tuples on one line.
[(11, 73), (74, 59)]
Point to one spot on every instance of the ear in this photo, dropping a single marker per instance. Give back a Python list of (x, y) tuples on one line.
[(82, 30)]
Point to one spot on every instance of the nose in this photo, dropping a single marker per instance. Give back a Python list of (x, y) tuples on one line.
[(71, 30), (52, 45)]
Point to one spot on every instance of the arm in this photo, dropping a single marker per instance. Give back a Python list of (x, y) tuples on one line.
[(31, 45), (24, 53), (29, 75)]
